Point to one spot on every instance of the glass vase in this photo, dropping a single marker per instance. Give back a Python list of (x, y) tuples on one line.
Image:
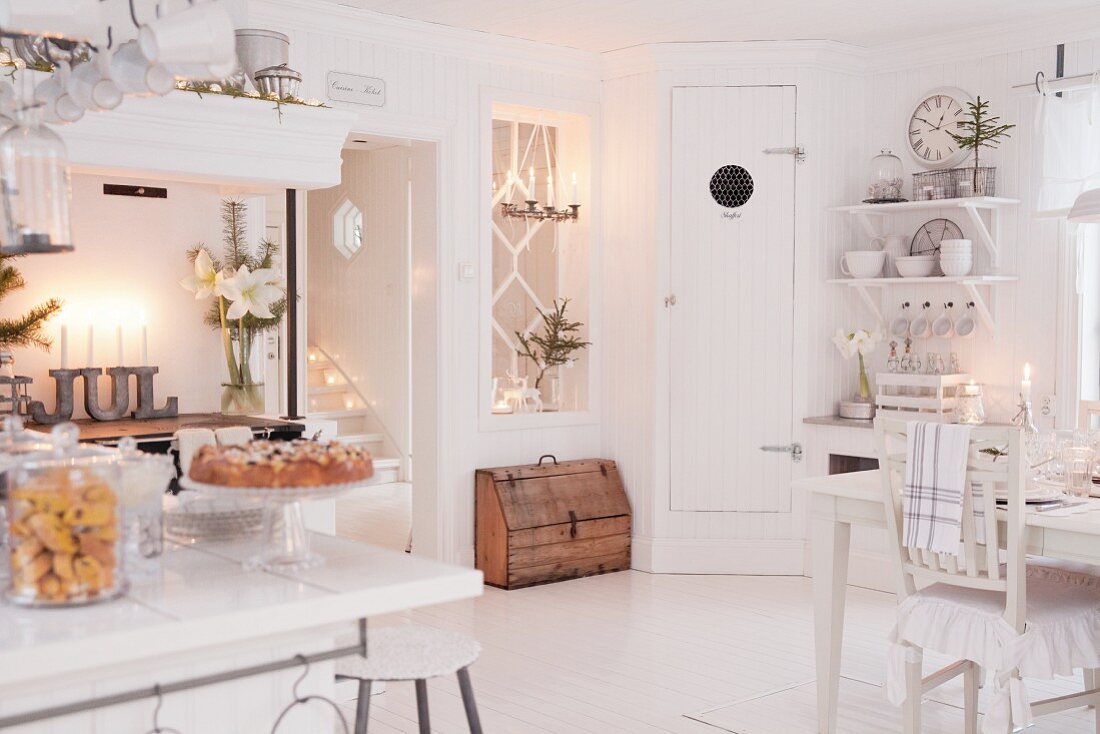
[(34, 167), (243, 388)]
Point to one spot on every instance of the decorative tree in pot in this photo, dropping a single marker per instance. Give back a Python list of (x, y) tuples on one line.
[(980, 130), (554, 347), (249, 299)]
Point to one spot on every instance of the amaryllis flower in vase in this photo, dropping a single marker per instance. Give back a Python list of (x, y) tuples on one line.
[(858, 343), (249, 299)]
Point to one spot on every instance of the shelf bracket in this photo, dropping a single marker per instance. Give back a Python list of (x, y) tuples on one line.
[(867, 224), (984, 234), (984, 314), (869, 302)]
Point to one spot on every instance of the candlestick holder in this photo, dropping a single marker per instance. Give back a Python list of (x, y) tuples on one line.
[(539, 214), (1025, 418)]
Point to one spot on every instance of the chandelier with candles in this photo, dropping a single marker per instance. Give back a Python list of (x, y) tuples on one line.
[(532, 209)]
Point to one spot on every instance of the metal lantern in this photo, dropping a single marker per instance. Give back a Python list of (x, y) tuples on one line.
[(34, 171), (886, 178)]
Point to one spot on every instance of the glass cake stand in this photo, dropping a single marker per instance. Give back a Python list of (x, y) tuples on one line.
[(286, 541)]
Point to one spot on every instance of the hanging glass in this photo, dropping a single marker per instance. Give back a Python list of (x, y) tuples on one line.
[(34, 171)]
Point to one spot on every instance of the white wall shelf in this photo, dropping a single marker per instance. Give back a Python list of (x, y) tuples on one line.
[(988, 235), (971, 284)]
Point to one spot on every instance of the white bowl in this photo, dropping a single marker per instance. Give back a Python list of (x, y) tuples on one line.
[(956, 270), (918, 266), (958, 259)]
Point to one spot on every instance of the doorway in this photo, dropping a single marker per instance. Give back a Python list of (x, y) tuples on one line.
[(371, 324), (731, 318)]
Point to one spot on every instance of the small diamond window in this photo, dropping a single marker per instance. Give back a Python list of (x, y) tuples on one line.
[(731, 186), (347, 229)]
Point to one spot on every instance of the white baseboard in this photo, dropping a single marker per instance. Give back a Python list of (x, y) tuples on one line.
[(762, 557)]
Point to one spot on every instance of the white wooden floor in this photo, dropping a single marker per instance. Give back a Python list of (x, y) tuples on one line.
[(634, 652)]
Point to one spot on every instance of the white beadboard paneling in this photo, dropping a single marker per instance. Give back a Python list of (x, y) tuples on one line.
[(731, 271), (359, 307), (433, 80), (637, 159)]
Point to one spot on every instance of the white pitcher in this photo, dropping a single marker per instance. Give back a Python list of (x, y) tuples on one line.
[(895, 246)]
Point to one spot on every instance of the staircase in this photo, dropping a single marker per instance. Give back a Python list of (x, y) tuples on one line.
[(332, 397)]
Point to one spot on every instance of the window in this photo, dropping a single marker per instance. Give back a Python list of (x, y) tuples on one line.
[(347, 229), (540, 268)]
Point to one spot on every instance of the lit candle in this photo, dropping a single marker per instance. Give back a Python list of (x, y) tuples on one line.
[(91, 345), (1025, 386), (575, 199), (531, 184), (64, 340), (144, 339), (118, 339)]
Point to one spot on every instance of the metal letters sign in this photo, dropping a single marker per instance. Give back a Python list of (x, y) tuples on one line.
[(358, 89)]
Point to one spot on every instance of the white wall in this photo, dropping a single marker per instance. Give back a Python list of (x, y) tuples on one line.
[(358, 309), (433, 80), (130, 254)]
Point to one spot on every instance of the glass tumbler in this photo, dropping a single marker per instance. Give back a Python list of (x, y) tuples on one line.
[(1077, 466)]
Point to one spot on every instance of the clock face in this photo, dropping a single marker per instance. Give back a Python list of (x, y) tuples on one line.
[(935, 116)]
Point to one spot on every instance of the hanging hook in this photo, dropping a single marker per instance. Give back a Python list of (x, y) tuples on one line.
[(133, 15), (299, 699), (157, 728), (1040, 75), (305, 671)]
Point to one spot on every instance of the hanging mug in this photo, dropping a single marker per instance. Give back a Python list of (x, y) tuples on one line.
[(965, 325), (944, 327), (921, 327), (899, 326)]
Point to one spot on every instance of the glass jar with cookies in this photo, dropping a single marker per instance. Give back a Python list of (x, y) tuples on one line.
[(64, 545)]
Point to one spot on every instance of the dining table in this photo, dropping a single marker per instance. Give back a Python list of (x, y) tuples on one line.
[(840, 501)]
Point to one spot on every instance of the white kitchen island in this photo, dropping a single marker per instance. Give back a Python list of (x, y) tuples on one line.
[(202, 614)]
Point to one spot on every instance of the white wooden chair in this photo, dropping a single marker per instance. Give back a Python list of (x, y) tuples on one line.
[(976, 607), (1089, 409)]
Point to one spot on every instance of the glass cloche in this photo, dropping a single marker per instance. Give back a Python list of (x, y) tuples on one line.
[(34, 166), (886, 178)]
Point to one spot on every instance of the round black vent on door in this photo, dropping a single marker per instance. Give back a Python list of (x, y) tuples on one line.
[(731, 186)]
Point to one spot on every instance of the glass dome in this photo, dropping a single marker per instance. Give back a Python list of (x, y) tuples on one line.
[(886, 178), (34, 167)]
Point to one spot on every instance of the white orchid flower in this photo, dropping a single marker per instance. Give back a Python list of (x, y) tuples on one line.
[(251, 293), (206, 281)]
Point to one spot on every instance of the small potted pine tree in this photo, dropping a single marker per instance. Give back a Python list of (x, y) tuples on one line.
[(980, 130), (551, 349)]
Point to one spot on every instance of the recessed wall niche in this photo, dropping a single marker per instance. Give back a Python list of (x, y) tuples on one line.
[(539, 300)]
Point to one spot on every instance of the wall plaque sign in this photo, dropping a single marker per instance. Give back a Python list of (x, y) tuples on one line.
[(358, 89)]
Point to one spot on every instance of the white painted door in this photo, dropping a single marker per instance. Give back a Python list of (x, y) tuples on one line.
[(732, 272)]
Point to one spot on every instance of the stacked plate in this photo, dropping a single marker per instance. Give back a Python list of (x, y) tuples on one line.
[(956, 257)]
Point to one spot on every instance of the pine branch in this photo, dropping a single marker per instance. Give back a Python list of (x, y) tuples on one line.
[(556, 344), (234, 233), (27, 330)]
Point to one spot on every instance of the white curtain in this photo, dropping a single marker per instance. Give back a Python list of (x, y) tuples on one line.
[(1069, 147)]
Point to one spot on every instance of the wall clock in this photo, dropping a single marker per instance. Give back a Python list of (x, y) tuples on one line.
[(936, 114)]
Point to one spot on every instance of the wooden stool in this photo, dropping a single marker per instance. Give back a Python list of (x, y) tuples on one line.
[(417, 654)]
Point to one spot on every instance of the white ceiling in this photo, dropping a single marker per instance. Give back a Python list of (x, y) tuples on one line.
[(606, 25)]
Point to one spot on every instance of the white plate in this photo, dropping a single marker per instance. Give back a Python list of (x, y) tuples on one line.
[(278, 494)]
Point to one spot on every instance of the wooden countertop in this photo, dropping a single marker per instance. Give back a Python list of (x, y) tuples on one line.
[(93, 430)]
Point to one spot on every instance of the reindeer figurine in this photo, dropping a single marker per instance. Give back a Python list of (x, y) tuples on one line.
[(519, 395)]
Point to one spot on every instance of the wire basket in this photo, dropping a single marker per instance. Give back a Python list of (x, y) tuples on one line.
[(954, 183)]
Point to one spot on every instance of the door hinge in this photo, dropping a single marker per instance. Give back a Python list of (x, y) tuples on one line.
[(797, 151), (670, 300), (794, 449)]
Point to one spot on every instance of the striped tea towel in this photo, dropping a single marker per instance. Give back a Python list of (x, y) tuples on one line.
[(935, 474)]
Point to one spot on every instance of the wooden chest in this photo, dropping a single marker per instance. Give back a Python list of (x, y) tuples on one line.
[(550, 522)]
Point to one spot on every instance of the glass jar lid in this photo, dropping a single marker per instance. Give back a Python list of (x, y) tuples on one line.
[(66, 450)]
